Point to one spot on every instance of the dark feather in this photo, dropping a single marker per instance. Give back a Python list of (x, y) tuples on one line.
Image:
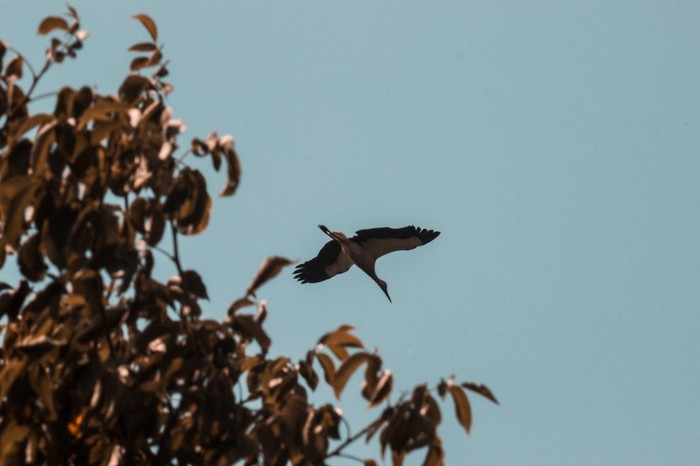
[(314, 270), (424, 235)]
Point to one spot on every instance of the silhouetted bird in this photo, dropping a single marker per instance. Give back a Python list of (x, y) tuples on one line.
[(363, 250)]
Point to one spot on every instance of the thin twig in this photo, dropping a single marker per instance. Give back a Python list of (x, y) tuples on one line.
[(176, 251), (164, 252), (339, 449)]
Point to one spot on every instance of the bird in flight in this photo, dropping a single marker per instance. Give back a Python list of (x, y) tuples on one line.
[(363, 250)]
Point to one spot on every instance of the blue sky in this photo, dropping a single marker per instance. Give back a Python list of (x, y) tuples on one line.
[(556, 145)]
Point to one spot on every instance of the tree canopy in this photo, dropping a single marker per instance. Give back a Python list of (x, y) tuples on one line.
[(102, 362)]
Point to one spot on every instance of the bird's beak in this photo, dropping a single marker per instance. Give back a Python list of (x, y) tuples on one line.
[(387, 295)]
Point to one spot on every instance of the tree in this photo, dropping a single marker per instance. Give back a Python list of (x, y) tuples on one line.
[(102, 363)]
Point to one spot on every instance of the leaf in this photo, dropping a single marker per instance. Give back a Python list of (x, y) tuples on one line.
[(192, 282), (51, 23), (482, 390), (308, 373), (371, 376), (38, 345), (397, 457), (462, 408), (31, 122), (138, 63), (40, 151), (149, 24), (3, 49), (137, 214), (11, 302), (14, 69), (155, 227), (31, 260), (268, 269), (339, 339), (435, 456), (442, 389), (16, 194), (327, 366), (345, 371), (143, 47), (251, 329), (233, 177), (14, 439), (10, 372), (132, 87), (433, 412), (18, 159), (239, 304), (382, 389)]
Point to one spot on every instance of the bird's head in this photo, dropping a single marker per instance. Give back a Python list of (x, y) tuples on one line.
[(382, 284), (333, 234)]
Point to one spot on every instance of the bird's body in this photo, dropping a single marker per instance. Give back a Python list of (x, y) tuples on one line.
[(363, 250)]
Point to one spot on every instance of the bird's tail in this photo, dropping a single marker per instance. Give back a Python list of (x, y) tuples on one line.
[(324, 229)]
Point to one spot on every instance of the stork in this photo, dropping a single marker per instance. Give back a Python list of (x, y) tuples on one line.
[(363, 250)]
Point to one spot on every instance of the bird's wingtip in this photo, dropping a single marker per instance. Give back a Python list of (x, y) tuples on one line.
[(324, 229)]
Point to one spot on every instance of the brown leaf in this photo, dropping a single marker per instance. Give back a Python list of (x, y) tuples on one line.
[(442, 389), (268, 269), (36, 345), (45, 137), (433, 412), (239, 304), (482, 390), (233, 177), (18, 159), (309, 374), (13, 70), (371, 376), (339, 339), (149, 24), (143, 47), (345, 371), (137, 214), (435, 456), (16, 195), (31, 260), (50, 23), (382, 389), (327, 366), (132, 87), (11, 301), (31, 122), (192, 282), (15, 436), (462, 408), (247, 325), (155, 226), (138, 63), (3, 49), (397, 457)]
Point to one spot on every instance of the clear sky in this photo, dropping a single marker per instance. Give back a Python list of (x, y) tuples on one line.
[(556, 146)]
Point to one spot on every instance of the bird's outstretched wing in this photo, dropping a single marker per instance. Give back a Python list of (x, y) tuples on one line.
[(380, 241), (328, 263)]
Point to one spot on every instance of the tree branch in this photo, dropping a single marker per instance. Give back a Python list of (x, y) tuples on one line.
[(339, 449)]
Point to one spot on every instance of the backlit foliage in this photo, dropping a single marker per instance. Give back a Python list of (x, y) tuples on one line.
[(104, 363)]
